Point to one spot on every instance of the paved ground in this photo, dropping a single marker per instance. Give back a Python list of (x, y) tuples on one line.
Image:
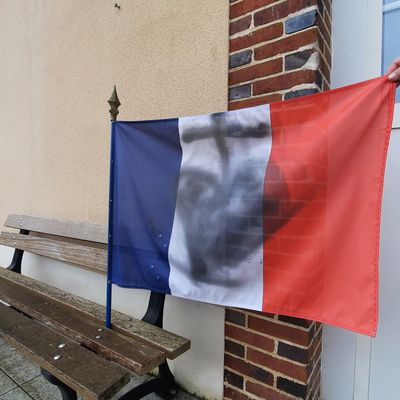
[(21, 380)]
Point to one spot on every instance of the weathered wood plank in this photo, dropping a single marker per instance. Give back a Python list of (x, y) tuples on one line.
[(89, 257), (88, 374), (76, 230), (173, 345), (126, 351)]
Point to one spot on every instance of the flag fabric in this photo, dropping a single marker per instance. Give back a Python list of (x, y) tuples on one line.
[(273, 208)]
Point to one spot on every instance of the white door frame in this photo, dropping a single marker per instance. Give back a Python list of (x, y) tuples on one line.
[(356, 56)]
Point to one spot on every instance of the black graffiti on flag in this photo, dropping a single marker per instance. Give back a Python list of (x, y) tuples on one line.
[(223, 212)]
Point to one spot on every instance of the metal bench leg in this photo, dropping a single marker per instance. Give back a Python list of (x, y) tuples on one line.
[(17, 257), (170, 390), (164, 385), (66, 392)]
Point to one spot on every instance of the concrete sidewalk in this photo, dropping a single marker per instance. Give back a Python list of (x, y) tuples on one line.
[(20, 379)]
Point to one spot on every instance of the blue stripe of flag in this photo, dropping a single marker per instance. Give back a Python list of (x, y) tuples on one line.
[(142, 217)]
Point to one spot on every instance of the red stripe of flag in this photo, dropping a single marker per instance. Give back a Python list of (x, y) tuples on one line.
[(323, 191)]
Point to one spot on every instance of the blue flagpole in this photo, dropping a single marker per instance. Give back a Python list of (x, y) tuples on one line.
[(114, 104)]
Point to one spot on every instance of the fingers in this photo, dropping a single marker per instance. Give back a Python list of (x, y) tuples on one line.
[(393, 71), (394, 75), (395, 65)]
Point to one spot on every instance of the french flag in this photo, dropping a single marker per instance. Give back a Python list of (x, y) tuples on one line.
[(272, 208)]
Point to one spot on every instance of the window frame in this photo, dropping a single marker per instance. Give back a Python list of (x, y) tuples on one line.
[(357, 55), (387, 8)]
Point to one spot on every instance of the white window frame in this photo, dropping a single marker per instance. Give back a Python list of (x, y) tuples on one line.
[(356, 56), (385, 8), (391, 6), (373, 59)]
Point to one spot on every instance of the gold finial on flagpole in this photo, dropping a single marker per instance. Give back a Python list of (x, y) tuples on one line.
[(114, 104)]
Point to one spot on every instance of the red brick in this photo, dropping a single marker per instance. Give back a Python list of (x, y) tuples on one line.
[(328, 6), (232, 394), (293, 353), (265, 392), (280, 11), (296, 389), (250, 338), (289, 43), (245, 6), (234, 348), (316, 342), (317, 392), (261, 35), (328, 22), (272, 13), (321, 42), (292, 334), (235, 317), (264, 314), (328, 55), (288, 368), (266, 42), (256, 101), (297, 5), (324, 69), (282, 82), (305, 323), (256, 71), (319, 79), (325, 33), (315, 376), (249, 370), (239, 25), (314, 382), (233, 379)]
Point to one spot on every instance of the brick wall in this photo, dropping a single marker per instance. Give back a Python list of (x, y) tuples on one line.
[(278, 50)]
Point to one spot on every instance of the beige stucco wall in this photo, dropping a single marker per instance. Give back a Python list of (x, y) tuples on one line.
[(59, 61)]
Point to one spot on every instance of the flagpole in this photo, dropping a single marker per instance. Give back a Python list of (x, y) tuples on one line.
[(114, 104)]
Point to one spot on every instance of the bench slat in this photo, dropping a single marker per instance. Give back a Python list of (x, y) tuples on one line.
[(88, 374), (77, 230), (89, 257), (171, 344), (126, 351)]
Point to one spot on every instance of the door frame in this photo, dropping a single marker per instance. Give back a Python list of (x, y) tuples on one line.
[(356, 56)]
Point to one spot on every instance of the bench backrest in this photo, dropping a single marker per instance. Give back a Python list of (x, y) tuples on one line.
[(83, 244), (96, 233), (78, 243)]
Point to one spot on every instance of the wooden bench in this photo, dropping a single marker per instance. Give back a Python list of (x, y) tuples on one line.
[(64, 334)]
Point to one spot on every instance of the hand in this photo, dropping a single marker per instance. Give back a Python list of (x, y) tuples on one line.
[(393, 71)]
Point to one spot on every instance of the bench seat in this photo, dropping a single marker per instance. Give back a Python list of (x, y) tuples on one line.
[(169, 343), (95, 361), (88, 374)]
